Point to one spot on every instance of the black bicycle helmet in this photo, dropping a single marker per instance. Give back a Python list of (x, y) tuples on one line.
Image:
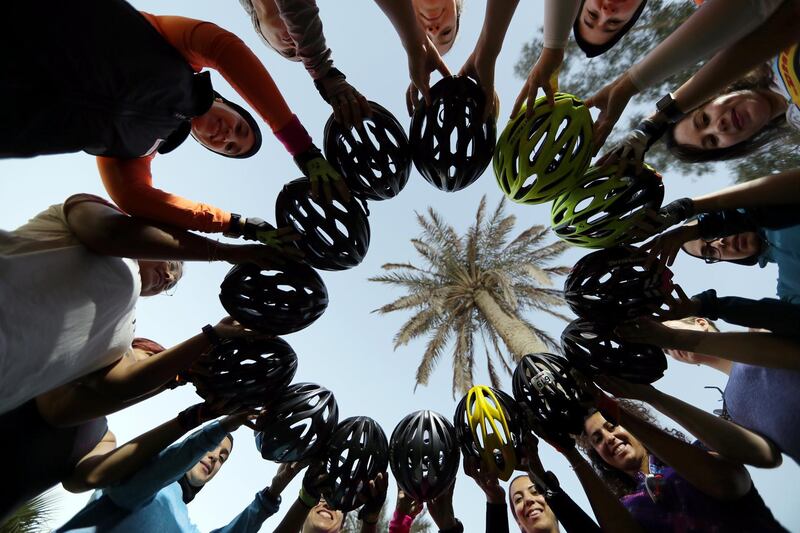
[(593, 349), (543, 384), (375, 159), (297, 425), (606, 209), (613, 285), (282, 300), (450, 143), (251, 371), (357, 453), (488, 424), (423, 455), (333, 236)]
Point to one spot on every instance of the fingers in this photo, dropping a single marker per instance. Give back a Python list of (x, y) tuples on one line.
[(412, 99), (315, 188), (523, 94), (342, 191), (549, 93)]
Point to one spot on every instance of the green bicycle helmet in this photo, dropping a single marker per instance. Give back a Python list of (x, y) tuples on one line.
[(540, 158), (605, 209)]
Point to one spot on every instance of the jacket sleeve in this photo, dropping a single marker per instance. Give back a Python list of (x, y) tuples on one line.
[(251, 519), (129, 182), (305, 28), (166, 468), (572, 517), (496, 518), (559, 16), (777, 316), (206, 45)]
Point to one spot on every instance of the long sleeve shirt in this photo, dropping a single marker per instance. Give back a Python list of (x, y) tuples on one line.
[(152, 499)]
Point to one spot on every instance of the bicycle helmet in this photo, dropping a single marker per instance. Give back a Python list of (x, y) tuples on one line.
[(605, 209), (593, 349), (450, 144), (543, 383), (488, 425), (275, 301), (357, 453), (251, 371), (333, 236), (297, 425), (541, 157), (613, 285), (423, 455), (375, 159)]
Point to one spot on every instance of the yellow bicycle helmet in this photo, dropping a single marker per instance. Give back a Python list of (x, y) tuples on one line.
[(539, 158), (487, 422)]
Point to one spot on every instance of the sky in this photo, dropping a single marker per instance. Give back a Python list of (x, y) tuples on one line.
[(350, 349)]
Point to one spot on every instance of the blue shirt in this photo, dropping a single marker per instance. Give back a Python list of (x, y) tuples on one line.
[(152, 500), (784, 250)]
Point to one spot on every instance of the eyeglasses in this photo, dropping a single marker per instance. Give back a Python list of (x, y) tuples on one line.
[(710, 253)]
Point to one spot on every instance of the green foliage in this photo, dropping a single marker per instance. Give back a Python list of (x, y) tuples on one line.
[(31, 517)]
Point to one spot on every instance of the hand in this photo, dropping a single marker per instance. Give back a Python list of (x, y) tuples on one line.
[(485, 479), (232, 422), (480, 67), (264, 256), (373, 496), (664, 248), (322, 175), (316, 480), (680, 307), (423, 58), (279, 241), (229, 328), (624, 389), (285, 474), (541, 76), (611, 100), (406, 505), (646, 331), (441, 509), (634, 146), (349, 106)]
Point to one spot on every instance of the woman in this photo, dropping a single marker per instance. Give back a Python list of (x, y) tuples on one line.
[(666, 483), (83, 265), (155, 497)]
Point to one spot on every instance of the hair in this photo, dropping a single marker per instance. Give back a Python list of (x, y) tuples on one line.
[(758, 79), (147, 345), (620, 483), (188, 490), (594, 50), (691, 320), (510, 500)]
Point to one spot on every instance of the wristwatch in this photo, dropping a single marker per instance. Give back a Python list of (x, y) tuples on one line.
[(211, 335), (669, 108), (235, 226)]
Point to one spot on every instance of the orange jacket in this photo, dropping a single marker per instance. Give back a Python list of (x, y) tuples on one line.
[(129, 182)]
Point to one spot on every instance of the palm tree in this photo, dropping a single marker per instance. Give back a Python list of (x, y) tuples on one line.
[(31, 517), (478, 284)]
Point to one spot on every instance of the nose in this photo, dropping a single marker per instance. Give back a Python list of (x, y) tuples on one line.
[(610, 6), (433, 27)]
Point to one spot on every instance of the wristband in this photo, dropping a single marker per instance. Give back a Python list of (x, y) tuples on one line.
[(235, 226), (211, 335), (653, 130), (306, 499)]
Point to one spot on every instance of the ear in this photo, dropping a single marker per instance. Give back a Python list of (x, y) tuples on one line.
[(701, 323)]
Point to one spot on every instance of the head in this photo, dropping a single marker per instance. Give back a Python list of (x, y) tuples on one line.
[(614, 445), (745, 117), (143, 348), (322, 519), (227, 129), (529, 507), (209, 465), (692, 323), (159, 276), (741, 248), (601, 23), (276, 35), (440, 19)]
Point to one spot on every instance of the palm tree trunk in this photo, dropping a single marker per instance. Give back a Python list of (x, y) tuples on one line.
[(518, 338)]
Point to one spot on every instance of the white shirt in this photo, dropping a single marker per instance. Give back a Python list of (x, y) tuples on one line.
[(64, 311)]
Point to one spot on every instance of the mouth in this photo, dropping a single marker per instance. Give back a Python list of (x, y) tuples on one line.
[(619, 449), (206, 466), (324, 513), (534, 513), (426, 16)]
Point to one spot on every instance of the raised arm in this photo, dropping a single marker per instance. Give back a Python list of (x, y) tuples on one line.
[(777, 189)]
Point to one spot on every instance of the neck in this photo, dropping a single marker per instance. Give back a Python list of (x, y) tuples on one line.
[(723, 365)]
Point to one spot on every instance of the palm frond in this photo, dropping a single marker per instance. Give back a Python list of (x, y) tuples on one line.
[(417, 325), (432, 352), (417, 299), (33, 516)]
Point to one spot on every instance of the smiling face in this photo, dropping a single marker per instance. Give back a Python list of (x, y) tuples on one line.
[(529, 508), (439, 19), (725, 121), (223, 130), (600, 20), (159, 276), (207, 468), (323, 519), (614, 444), (731, 248)]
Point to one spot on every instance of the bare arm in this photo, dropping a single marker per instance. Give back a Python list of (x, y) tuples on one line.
[(777, 189), (293, 520), (752, 348)]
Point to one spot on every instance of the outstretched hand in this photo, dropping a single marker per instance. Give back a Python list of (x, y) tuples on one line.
[(664, 248), (423, 58), (611, 100), (543, 75), (646, 331), (485, 478), (406, 505), (620, 388), (350, 107), (481, 68)]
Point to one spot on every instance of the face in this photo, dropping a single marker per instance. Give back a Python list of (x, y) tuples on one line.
[(692, 358), (733, 247), (159, 276), (439, 19), (614, 444), (207, 468), (600, 20), (725, 121), (223, 130), (530, 508), (277, 35), (323, 519)]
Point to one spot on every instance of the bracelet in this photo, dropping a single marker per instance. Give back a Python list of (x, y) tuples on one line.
[(307, 499)]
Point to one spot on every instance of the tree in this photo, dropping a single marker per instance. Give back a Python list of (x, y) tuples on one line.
[(31, 517), (584, 78), (478, 284)]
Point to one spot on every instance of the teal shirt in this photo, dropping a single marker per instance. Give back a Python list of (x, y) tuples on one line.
[(784, 250)]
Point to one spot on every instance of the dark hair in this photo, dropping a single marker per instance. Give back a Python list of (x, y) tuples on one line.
[(620, 483), (242, 112), (188, 490), (510, 500), (594, 50), (758, 79)]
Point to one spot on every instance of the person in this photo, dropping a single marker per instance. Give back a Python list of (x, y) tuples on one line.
[(666, 483), (757, 396), (83, 264), (293, 29), (155, 497), (405, 512)]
